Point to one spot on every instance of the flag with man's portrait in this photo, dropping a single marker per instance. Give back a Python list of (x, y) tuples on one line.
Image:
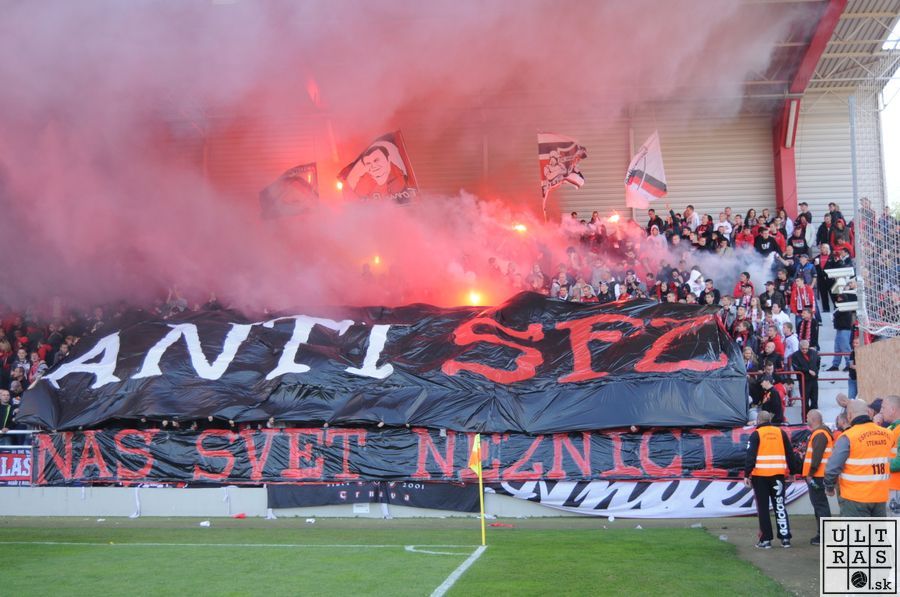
[(382, 172)]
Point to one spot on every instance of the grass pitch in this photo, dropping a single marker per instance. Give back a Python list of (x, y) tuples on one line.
[(365, 557)]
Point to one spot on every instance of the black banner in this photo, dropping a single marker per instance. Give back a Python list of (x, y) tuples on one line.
[(435, 496), (340, 455), (532, 365)]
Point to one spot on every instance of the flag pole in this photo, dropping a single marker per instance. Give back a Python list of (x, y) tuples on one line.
[(475, 465), (481, 501)]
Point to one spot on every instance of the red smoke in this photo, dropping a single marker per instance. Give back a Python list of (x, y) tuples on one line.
[(111, 115)]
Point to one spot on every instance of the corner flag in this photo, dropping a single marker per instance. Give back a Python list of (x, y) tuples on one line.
[(475, 465)]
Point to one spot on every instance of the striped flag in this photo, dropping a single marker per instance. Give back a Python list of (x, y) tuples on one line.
[(645, 180), (558, 157)]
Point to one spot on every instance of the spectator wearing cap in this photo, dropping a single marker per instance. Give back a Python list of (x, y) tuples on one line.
[(770, 297), (805, 269), (769, 399)]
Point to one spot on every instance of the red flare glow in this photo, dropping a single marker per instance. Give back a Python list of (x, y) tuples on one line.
[(339, 185)]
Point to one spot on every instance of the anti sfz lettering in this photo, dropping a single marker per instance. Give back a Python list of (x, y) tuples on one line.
[(858, 556), (545, 365)]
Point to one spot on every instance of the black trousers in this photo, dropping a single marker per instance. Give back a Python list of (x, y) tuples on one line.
[(824, 285), (818, 499), (771, 490), (811, 392)]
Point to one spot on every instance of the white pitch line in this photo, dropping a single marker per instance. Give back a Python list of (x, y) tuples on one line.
[(238, 545), (456, 574)]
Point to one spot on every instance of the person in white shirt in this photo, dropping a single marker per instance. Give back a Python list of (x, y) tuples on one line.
[(779, 316), (723, 221), (791, 343), (691, 218)]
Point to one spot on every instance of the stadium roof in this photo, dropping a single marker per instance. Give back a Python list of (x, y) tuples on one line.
[(842, 46)]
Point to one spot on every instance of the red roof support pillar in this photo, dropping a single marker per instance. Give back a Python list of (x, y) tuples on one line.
[(784, 129), (784, 134)]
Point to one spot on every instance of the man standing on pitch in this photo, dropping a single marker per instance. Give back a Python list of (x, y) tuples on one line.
[(769, 460), (818, 451), (860, 465)]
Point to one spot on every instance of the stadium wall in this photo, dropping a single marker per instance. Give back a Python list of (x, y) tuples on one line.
[(227, 501)]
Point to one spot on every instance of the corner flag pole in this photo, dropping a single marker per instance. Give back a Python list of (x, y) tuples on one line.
[(475, 465)]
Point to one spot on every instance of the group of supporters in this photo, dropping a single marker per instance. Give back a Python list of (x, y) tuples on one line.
[(858, 462), (775, 320), (30, 345)]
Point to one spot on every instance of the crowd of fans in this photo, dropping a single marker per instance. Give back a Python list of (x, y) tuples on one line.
[(774, 317)]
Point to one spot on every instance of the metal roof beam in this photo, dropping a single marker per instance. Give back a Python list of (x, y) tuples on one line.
[(878, 54), (868, 15)]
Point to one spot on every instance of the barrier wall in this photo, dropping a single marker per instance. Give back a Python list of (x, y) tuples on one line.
[(227, 501)]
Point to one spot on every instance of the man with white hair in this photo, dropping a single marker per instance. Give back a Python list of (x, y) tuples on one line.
[(860, 465)]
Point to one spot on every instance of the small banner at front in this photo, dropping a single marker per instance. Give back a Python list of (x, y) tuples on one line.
[(458, 497)]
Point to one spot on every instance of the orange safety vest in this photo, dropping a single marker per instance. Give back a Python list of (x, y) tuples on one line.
[(807, 460), (894, 482), (770, 458), (867, 470)]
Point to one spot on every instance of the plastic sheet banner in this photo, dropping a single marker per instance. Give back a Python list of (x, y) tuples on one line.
[(457, 497), (533, 365), (340, 455), (680, 498)]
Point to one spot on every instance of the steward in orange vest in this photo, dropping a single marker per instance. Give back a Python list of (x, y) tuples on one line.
[(769, 460), (860, 465), (818, 451), (890, 411)]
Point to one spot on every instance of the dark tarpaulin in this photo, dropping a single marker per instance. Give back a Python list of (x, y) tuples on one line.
[(531, 365), (334, 454)]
